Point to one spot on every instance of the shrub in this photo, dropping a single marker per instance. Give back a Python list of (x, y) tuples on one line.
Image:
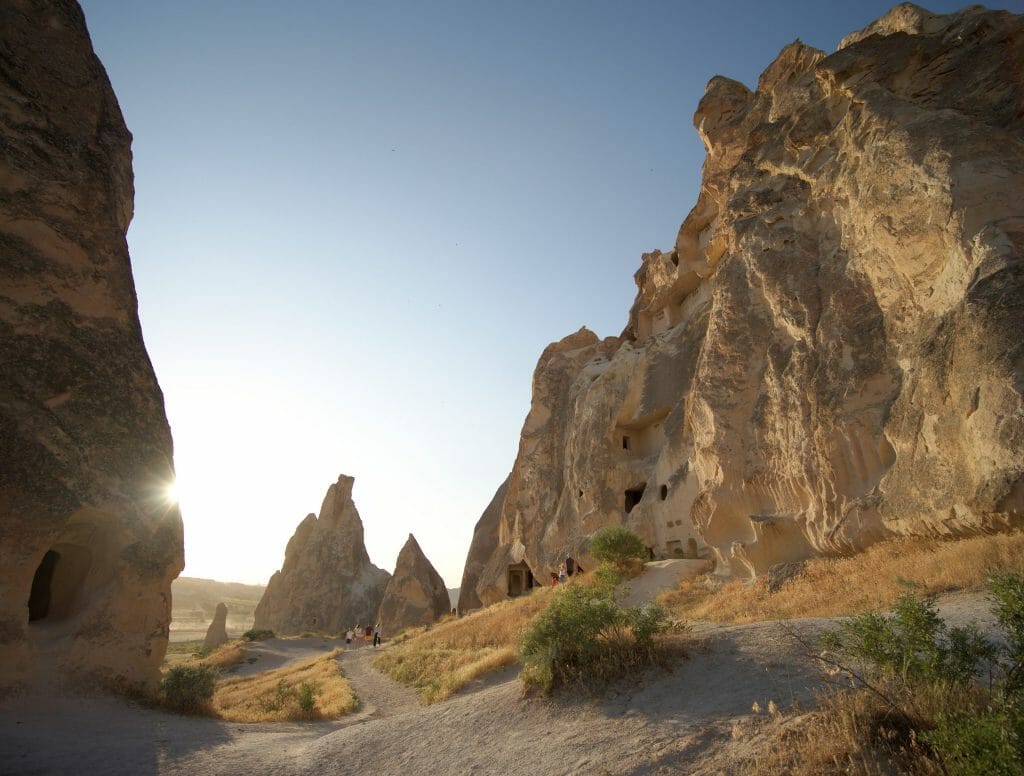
[(258, 635), (617, 545), (969, 730), (307, 696), (585, 638), (189, 688)]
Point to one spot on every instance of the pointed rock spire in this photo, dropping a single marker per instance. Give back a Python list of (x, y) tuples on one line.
[(415, 595)]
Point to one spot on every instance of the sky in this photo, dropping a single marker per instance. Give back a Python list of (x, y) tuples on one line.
[(357, 225)]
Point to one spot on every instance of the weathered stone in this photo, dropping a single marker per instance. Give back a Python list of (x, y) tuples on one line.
[(217, 633), (327, 582), (779, 574), (415, 595), (831, 353), (89, 543), (485, 537)]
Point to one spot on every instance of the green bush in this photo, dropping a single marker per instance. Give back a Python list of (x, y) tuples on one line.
[(617, 545), (189, 688), (586, 638), (307, 696), (912, 644), (258, 635), (979, 731)]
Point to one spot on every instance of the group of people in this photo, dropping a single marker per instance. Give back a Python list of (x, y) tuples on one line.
[(565, 570), (352, 635)]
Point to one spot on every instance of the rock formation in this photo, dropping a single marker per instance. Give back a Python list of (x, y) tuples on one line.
[(831, 353), (327, 582), (217, 633), (415, 595), (88, 543), (485, 537)]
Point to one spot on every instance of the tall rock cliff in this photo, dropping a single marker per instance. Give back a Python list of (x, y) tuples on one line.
[(485, 537), (88, 543), (327, 582), (831, 353), (415, 594)]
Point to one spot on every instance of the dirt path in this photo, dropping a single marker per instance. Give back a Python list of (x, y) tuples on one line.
[(684, 721), (274, 653), (379, 696)]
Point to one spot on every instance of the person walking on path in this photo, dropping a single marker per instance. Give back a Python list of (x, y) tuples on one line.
[(367, 635), (561, 574), (358, 632), (348, 637), (376, 635)]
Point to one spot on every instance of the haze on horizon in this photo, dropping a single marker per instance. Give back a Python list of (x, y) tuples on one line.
[(358, 225)]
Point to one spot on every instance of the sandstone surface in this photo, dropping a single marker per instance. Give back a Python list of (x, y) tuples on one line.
[(485, 537), (831, 353), (89, 542), (327, 582), (217, 633), (415, 595)]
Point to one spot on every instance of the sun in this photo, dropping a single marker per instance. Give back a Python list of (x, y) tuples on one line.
[(170, 493)]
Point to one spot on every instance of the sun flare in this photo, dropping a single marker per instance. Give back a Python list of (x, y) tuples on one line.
[(170, 493)]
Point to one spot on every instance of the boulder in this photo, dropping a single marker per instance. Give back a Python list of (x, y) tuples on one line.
[(89, 543), (415, 595), (217, 633), (327, 582), (830, 354)]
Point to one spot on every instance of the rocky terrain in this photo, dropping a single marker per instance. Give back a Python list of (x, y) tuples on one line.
[(327, 582), (415, 594), (830, 354), (89, 542)]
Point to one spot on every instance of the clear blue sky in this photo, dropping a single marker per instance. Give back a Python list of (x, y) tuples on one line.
[(358, 224)]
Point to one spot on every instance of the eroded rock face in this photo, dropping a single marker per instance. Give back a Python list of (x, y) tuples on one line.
[(415, 595), (831, 353), (327, 582), (485, 537), (217, 633), (89, 544)]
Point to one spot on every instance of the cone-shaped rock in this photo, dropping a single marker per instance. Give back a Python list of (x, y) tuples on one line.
[(217, 633), (485, 536), (327, 582), (88, 542), (416, 594)]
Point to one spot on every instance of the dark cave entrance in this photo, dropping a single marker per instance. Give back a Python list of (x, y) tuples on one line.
[(520, 579), (42, 586), (633, 496), (57, 582)]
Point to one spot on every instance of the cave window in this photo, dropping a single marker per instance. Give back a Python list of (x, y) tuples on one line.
[(625, 443), (692, 544), (42, 583), (579, 494), (633, 496), (664, 492)]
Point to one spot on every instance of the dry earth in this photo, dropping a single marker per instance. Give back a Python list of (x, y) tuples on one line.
[(686, 720)]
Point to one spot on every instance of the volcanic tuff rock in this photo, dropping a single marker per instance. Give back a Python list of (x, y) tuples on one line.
[(415, 594), (217, 633), (327, 582), (89, 545), (831, 353), (485, 537)]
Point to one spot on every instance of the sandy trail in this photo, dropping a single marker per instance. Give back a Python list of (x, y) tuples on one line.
[(664, 723), (274, 653)]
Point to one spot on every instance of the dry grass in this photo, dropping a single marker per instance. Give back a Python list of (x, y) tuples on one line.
[(857, 732), (873, 579), (439, 661), (191, 653), (273, 696)]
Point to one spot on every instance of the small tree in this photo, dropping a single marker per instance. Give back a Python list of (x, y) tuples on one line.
[(617, 545)]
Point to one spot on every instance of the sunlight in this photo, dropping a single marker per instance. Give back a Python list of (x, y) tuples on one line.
[(170, 492)]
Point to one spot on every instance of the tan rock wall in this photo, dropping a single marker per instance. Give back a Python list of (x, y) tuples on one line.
[(415, 595), (831, 353), (87, 535)]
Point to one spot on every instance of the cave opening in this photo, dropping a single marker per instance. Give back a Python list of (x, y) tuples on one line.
[(633, 496), (58, 581), (664, 492), (42, 587), (520, 579)]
